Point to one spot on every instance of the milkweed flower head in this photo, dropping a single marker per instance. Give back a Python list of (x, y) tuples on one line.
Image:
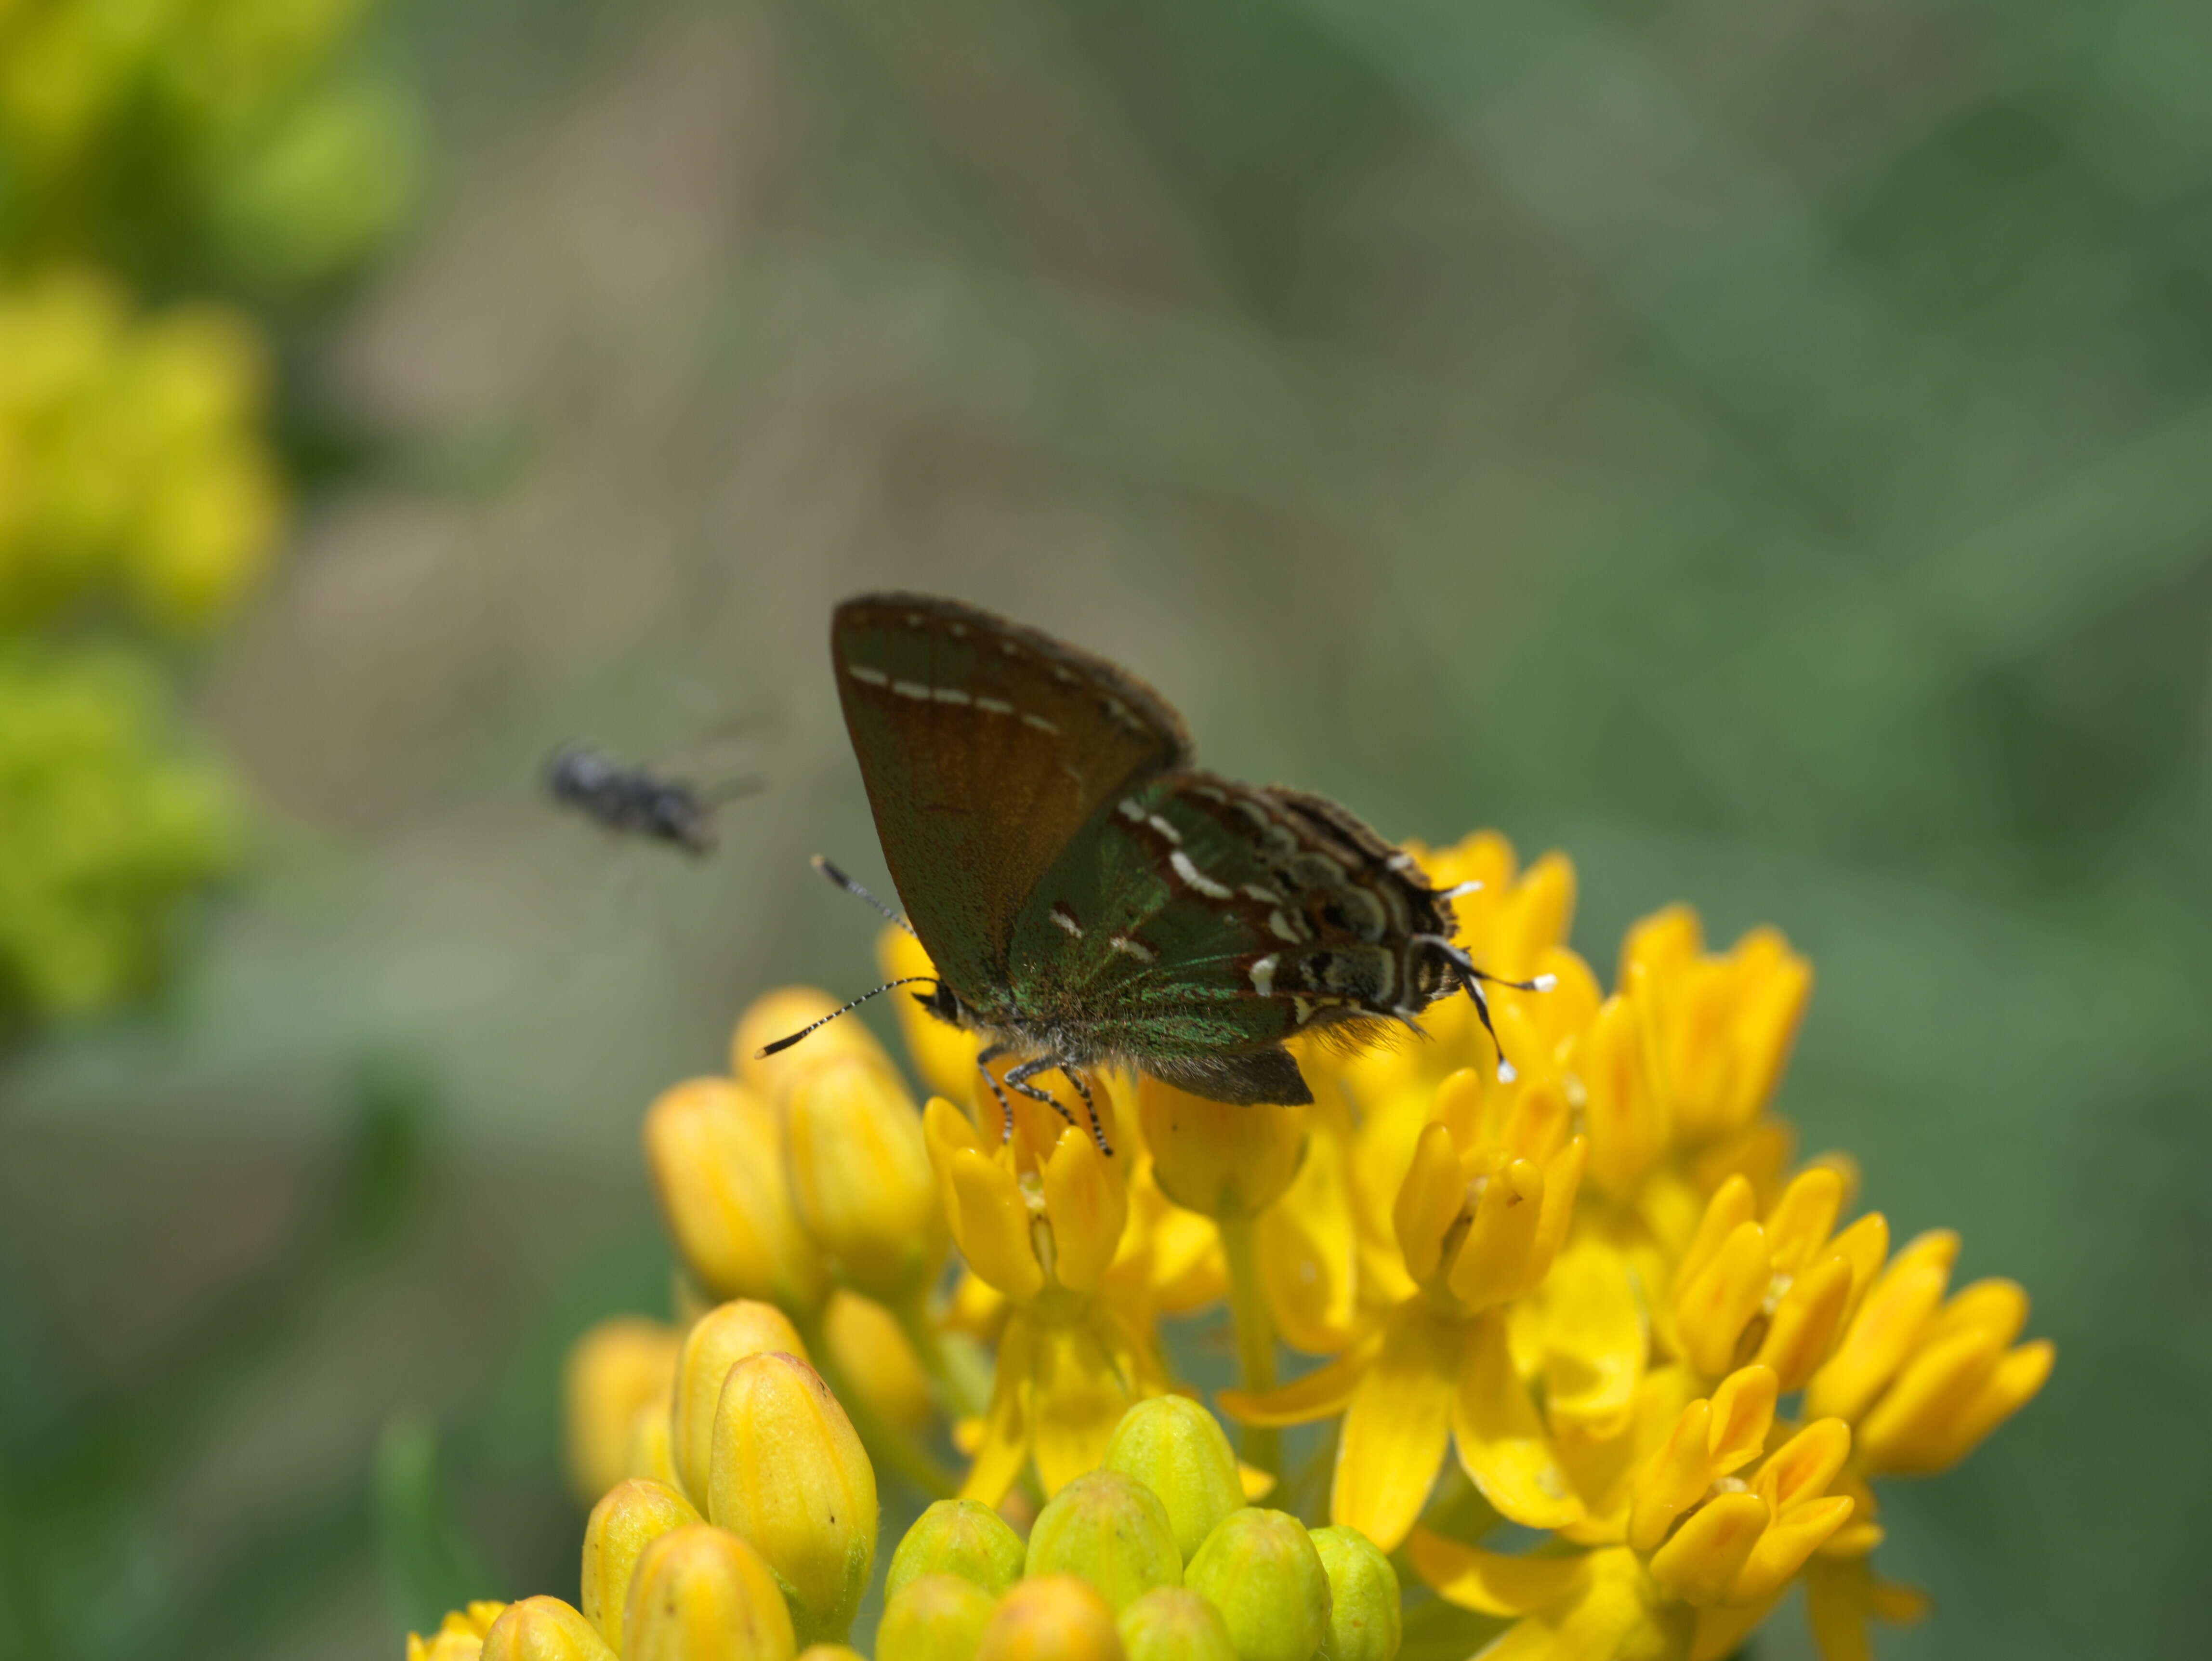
[(1593, 1300)]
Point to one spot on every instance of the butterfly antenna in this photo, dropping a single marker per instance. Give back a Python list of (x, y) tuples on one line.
[(768, 1049), (859, 893), (1473, 978)]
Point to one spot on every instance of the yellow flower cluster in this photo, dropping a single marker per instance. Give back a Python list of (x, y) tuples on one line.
[(133, 462), (1597, 1298)]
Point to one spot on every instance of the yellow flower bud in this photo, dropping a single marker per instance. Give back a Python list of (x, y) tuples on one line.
[(789, 1474), (830, 1652), (702, 1594), (1175, 1448), (872, 1355), (651, 1451), (544, 1629), (860, 1172), (942, 1054), (1111, 1531), (631, 1517), (718, 1340), (1218, 1158), (1173, 1624), (934, 1617), (964, 1537), (779, 1014), (459, 1636), (1363, 1617), (1054, 1618), (1261, 1569), (613, 1370), (715, 1153)]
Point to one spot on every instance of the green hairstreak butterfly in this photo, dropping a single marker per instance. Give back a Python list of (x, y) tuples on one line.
[(1088, 896)]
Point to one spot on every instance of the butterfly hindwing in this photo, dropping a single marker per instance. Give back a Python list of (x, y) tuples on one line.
[(985, 748)]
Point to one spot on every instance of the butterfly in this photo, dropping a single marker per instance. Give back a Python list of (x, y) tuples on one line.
[(1089, 898)]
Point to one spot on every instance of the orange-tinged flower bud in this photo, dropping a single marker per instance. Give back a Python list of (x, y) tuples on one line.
[(830, 1652), (778, 1014), (860, 1172), (1173, 1624), (718, 1340), (934, 1617), (964, 1537), (790, 1475), (630, 1517), (873, 1356), (615, 1369), (715, 1153), (1260, 1568), (1364, 1622), (700, 1594), (1111, 1531), (545, 1629), (1178, 1451), (1216, 1158), (1054, 1618)]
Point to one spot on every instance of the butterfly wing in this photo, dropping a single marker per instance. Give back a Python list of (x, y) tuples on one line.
[(1203, 922), (985, 748)]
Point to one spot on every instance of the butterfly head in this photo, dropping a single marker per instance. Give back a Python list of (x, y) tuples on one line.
[(942, 1001)]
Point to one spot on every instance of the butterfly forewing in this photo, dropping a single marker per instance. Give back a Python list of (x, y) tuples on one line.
[(985, 748)]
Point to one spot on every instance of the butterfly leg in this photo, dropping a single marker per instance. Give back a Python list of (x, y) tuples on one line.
[(983, 1060), (1019, 1079), (1097, 1130)]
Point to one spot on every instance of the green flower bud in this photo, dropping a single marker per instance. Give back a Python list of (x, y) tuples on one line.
[(1260, 1570), (964, 1537), (1173, 1624), (1175, 1448), (934, 1617), (1362, 1592), (1110, 1529)]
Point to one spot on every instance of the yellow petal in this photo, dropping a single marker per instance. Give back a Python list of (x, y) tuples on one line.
[(1791, 1538), (1799, 1223), (1594, 1337), (1309, 1252), (1492, 1583), (1673, 1478), (1802, 1467), (990, 1221), (1997, 1307), (1257, 1484), (1088, 1208), (1883, 1334), (1079, 1396), (1627, 1124), (1563, 1177), (1716, 1304), (1613, 1619), (2018, 1377), (1492, 1262), (1864, 1245), (1429, 1202), (1395, 1428), (1700, 1562), (1321, 1394), (1005, 1448), (1734, 1203), (1743, 1412), (1806, 1322), (1501, 1442)]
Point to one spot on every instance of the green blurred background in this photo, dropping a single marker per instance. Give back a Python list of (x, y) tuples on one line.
[(1765, 449)]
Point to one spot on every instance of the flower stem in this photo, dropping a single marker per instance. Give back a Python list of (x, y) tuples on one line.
[(963, 1383), (1256, 1335)]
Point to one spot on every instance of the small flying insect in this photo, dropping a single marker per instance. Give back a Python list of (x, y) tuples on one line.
[(637, 801)]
